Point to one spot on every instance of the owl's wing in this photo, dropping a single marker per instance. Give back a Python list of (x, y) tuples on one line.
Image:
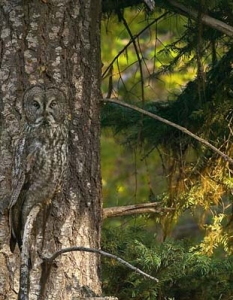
[(18, 173), (16, 201)]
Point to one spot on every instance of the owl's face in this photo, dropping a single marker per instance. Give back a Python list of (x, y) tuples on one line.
[(44, 107)]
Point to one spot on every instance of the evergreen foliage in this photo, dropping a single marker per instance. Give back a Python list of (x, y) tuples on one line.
[(197, 60), (183, 272)]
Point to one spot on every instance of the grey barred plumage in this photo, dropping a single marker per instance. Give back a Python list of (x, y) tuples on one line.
[(40, 155)]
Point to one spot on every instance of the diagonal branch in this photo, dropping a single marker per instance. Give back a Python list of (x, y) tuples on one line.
[(49, 260), (207, 20), (137, 54), (181, 128), (181, 9)]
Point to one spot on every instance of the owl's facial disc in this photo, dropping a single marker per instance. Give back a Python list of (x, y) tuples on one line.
[(44, 107)]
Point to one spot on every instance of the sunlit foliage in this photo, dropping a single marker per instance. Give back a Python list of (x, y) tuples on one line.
[(183, 272), (181, 70)]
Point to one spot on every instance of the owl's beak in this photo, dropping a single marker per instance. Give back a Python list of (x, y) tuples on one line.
[(45, 122)]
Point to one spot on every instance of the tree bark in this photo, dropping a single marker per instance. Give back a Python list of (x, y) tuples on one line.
[(54, 42)]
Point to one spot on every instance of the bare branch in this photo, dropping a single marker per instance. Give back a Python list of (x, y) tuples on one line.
[(138, 56), (207, 20), (135, 209), (181, 128), (106, 72), (50, 259)]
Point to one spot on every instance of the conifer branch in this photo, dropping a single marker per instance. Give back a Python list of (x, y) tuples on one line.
[(165, 121)]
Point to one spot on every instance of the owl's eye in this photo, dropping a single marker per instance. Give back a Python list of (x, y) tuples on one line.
[(53, 104), (36, 104)]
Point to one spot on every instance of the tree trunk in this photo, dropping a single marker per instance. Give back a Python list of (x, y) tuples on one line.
[(54, 42)]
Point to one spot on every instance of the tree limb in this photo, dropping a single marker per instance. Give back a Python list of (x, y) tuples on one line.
[(143, 208), (207, 20), (181, 128), (49, 260), (99, 298), (108, 6), (111, 6)]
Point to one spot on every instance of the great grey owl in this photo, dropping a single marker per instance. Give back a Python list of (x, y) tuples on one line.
[(40, 156)]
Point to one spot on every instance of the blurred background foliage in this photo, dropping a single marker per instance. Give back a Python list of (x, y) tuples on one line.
[(180, 69)]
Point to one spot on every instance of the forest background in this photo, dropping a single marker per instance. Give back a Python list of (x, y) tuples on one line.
[(166, 60)]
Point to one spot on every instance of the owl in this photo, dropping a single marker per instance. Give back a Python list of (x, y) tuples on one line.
[(40, 155)]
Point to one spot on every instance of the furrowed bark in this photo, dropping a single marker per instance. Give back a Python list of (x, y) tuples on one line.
[(54, 42)]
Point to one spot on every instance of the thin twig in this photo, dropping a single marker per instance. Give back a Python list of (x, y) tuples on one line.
[(133, 39), (139, 59), (181, 128), (50, 259), (130, 42)]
